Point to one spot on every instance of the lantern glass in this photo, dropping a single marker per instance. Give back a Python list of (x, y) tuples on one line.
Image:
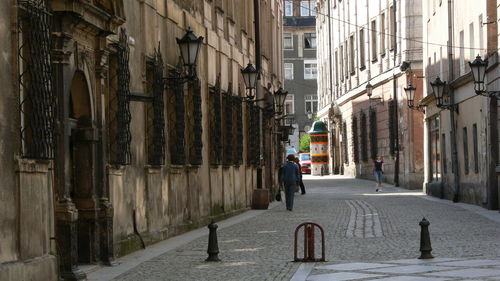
[(438, 89), (478, 69), (279, 99), (410, 93), (189, 46), (369, 89), (249, 76)]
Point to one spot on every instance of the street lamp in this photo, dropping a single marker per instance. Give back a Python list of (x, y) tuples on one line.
[(438, 87), (189, 46), (250, 74), (369, 92), (410, 96), (478, 69), (279, 100)]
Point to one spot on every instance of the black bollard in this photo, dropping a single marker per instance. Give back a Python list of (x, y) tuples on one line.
[(425, 240), (213, 245)]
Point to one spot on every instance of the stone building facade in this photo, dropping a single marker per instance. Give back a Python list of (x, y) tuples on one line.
[(300, 66), (360, 44), (108, 145), (461, 160)]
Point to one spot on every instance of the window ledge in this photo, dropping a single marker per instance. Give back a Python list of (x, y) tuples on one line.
[(362, 68)]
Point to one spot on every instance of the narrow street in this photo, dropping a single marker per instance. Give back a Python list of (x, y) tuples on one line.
[(369, 236)]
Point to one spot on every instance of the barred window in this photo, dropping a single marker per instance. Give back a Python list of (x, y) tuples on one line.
[(215, 123), (36, 95), (176, 119)]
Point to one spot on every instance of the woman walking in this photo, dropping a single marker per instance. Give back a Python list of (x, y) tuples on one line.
[(378, 170)]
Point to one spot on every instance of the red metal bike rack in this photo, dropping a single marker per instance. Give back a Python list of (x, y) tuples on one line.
[(309, 243)]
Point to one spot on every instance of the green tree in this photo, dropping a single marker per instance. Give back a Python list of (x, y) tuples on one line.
[(304, 143)]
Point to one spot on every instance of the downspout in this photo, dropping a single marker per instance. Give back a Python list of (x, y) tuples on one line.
[(453, 137), (258, 88), (395, 97), (330, 71)]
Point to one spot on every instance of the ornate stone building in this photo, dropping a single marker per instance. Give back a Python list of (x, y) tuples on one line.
[(109, 143)]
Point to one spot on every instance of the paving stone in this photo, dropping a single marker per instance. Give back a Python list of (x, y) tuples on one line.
[(384, 230), (353, 266), (409, 269), (468, 273), (340, 276)]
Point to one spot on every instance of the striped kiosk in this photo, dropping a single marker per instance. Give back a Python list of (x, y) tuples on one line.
[(319, 148)]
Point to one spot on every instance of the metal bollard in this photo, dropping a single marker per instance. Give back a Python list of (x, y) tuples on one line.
[(425, 240), (213, 245)]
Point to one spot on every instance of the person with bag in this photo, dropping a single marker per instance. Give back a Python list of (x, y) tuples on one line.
[(301, 183), (290, 178)]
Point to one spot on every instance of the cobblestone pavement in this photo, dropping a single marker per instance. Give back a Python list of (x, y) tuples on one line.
[(368, 233)]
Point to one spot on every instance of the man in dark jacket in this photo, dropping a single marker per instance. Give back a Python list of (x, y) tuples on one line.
[(289, 179)]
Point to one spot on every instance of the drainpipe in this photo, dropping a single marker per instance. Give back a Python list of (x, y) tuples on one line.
[(453, 133), (330, 71), (258, 88), (395, 97)]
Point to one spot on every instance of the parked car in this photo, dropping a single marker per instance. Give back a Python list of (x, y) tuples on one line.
[(305, 162)]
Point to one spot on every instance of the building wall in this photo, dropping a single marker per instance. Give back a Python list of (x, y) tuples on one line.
[(299, 87), (126, 207), (348, 60), (476, 181), (26, 203)]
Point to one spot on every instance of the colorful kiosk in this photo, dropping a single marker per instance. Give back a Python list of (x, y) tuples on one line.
[(319, 149)]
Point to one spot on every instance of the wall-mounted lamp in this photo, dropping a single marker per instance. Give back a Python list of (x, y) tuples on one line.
[(369, 92), (410, 96), (438, 87), (478, 69), (250, 74)]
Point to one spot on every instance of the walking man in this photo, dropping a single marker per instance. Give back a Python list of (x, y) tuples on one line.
[(301, 183), (290, 179)]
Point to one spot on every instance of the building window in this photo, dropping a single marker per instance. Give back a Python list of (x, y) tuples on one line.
[(462, 53), (341, 62), (336, 67), (287, 41), (288, 8), (471, 41), (346, 59), (310, 69), (443, 153), (361, 48), (289, 105), (374, 39), (435, 149), (308, 8), (352, 54), (476, 149), (310, 41), (392, 26), (311, 103), (289, 71), (466, 151), (382, 34)]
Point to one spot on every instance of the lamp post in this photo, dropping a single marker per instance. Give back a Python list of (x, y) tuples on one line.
[(250, 74), (410, 96), (478, 68)]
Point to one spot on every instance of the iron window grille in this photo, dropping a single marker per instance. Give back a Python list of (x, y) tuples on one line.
[(344, 143), (238, 129), (227, 133), (355, 142), (175, 113), (363, 135), (215, 123), (37, 101), (119, 105), (195, 126), (392, 127), (373, 133), (155, 119), (253, 155)]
